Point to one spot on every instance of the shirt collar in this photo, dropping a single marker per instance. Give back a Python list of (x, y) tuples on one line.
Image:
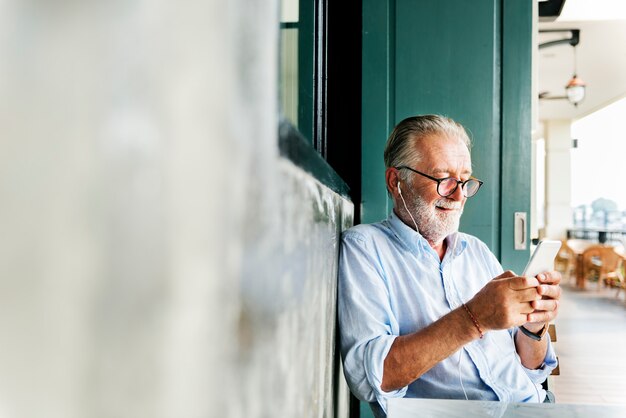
[(417, 243)]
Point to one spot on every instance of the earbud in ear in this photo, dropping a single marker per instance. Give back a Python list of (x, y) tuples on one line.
[(399, 191)]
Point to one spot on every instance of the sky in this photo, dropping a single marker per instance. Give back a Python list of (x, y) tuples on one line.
[(599, 161), (578, 10)]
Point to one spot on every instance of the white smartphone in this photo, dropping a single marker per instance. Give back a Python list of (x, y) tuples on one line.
[(542, 259)]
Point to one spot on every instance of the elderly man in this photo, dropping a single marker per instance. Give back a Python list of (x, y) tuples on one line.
[(426, 311)]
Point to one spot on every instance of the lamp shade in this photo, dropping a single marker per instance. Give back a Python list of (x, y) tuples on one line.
[(575, 90)]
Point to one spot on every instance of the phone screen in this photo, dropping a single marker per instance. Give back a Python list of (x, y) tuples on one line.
[(543, 257)]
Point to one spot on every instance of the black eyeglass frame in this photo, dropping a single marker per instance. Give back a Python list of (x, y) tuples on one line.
[(439, 181)]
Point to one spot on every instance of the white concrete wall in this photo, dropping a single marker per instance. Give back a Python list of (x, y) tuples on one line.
[(558, 142), (142, 198)]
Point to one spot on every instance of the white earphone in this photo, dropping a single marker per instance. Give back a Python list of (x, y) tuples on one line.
[(406, 208)]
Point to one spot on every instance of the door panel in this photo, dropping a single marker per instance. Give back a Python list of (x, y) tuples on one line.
[(466, 60)]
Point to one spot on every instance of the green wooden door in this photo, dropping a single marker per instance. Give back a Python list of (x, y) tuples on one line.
[(470, 60)]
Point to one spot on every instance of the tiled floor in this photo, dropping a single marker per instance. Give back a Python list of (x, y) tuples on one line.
[(591, 346)]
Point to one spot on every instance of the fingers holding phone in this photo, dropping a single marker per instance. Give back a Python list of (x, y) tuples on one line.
[(550, 291), (541, 266)]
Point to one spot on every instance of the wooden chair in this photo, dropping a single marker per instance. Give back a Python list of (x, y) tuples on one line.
[(622, 271), (548, 383), (565, 261), (603, 264)]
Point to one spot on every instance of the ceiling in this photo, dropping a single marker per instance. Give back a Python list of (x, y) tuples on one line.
[(600, 57)]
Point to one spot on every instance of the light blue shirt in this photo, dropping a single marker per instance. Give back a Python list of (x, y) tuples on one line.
[(391, 283)]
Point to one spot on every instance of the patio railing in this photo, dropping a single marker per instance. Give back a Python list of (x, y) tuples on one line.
[(601, 235)]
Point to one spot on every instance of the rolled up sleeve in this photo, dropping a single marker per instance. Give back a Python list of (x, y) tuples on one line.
[(367, 324), (549, 363)]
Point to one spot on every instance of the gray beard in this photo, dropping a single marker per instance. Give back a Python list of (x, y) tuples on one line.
[(433, 225)]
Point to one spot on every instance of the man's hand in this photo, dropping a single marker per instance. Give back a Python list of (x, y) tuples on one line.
[(546, 308), (531, 352), (509, 300)]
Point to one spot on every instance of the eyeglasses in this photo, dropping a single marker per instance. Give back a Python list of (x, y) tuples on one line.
[(448, 185)]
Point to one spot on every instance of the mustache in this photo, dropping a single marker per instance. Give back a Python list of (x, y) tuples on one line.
[(447, 204)]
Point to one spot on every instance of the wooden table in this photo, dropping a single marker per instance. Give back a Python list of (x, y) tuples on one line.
[(445, 408)]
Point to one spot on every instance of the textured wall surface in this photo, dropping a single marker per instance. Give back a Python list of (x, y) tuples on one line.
[(157, 257), (287, 311)]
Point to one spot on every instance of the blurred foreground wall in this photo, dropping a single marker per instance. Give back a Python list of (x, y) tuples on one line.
[(158, 258)]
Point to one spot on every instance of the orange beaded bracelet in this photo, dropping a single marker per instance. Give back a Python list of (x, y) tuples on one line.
[(474, 320)]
